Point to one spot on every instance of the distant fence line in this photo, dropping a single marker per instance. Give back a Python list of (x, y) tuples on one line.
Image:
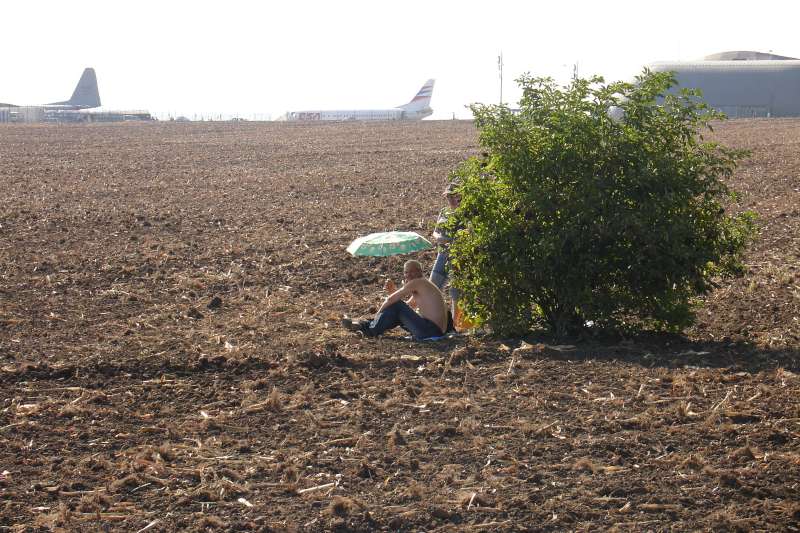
[(38, 114), (212, 116)]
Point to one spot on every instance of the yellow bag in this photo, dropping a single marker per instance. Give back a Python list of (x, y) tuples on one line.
[(462, 321)]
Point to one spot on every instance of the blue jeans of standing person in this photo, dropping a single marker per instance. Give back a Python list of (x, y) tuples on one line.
[(400, 314), (440, 273)]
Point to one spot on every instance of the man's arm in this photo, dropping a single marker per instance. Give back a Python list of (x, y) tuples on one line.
[(398, 295), (390, 286)]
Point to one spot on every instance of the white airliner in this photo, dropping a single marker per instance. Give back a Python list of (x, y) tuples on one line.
[(417, 109)]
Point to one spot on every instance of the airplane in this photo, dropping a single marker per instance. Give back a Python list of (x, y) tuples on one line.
[(417, 109), (85, 95)]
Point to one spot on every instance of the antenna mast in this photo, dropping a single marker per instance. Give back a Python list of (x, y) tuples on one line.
[(500, 68)]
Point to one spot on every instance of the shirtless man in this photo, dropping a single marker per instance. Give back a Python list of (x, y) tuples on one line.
[(429, 319)]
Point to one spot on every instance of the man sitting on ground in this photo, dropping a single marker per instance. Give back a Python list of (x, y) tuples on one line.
[(429, 319)]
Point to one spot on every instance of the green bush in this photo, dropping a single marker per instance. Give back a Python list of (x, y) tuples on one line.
[(595, 203)]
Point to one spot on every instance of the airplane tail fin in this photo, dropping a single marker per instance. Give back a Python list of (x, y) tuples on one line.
[(86, 93), (423, 98)]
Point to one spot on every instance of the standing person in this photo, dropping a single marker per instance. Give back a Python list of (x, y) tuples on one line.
[(441, 267), (423, 313)]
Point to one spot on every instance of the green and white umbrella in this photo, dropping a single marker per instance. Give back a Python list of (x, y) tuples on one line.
[(388, 243)]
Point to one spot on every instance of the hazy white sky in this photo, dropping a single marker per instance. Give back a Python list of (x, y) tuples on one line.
[(242, 57)]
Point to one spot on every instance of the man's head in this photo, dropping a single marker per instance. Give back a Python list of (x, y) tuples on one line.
[(452, 194), (412, 269)]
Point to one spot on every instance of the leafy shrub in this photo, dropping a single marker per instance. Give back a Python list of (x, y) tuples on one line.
[(598, 203)]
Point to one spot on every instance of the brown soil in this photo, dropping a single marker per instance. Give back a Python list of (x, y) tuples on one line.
[(170, 356)]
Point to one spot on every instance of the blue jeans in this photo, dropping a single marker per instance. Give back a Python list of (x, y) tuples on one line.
[(440, 273), (400, 314)]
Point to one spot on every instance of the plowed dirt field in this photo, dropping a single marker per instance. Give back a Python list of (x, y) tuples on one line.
[(171, 358)]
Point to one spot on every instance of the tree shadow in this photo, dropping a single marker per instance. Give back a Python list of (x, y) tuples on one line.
[(669, 350)]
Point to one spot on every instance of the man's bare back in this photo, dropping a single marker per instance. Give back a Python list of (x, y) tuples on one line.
[(428, 300)]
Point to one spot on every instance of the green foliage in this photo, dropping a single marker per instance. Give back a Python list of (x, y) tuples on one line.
[(574, 215)]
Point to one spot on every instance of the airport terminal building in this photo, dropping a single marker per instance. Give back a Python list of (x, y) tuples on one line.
[(742, 84), (38, 114)]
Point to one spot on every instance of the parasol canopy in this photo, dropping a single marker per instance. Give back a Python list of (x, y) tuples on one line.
[(388, 243)]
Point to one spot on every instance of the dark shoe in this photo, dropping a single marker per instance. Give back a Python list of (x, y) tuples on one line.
[(352, 325)]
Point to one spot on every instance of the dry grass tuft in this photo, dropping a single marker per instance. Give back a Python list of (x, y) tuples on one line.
[(412, 391), (389, 403), (64, 513), (585, 465), (87, 504), (683, 410), (440, 512), (69, 411), (212, 522), (231, 474), (366, 470), (745, 452), (791, 510), (460, 355), (728, 478), (414, 491), (102, 500), (530, 429), (291, 474), (305, 394), (724, 520), (459, 404), (693, 462), (712, 420), (468, 426), (680, 385), (396, 438), (131, 480), (205, 494), (256, 384), (98, 397), (342, 507), (166, 452), (96, 502), (209, 425), (710, 471), (448, 473), (474, 499), (274, 401)]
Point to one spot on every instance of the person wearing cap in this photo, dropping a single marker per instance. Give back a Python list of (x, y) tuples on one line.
[(440, 271)]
